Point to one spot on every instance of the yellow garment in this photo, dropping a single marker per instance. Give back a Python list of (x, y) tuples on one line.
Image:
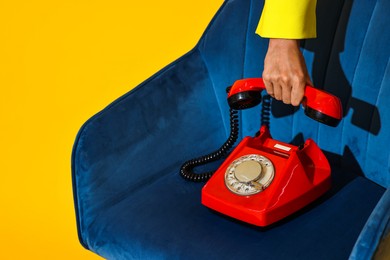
[(288, 19)]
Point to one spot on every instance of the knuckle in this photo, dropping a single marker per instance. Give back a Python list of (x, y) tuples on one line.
[(273, 77), (283, 79), (298, 80), (266, 77), (300, 75)]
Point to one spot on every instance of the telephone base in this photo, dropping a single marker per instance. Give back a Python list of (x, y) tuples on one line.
[(288, 178)]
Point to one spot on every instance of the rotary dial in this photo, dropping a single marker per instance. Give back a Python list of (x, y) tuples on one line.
[(249, 174)]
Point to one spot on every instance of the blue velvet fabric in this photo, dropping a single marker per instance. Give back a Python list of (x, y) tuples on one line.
[(132, 204), (376, 229), (165, 220)]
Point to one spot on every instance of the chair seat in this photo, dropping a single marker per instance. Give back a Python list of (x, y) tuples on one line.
[(164, 219)]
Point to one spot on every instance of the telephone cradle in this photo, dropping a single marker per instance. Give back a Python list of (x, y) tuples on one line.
[(264, 180)]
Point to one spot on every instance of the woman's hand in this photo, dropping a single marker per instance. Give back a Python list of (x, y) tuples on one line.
[(285, 74)]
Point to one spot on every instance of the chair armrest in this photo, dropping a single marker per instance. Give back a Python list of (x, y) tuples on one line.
[(374, 230)]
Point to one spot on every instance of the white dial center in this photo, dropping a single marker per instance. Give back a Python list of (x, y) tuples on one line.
[(248, 171)]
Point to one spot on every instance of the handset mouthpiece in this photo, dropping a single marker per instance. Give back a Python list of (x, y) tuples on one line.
[(245, 93)]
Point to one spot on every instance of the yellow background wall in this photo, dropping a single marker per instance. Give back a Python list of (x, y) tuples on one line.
[(60, 63)]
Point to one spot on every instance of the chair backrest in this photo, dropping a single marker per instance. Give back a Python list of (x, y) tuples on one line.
[(349, 58)]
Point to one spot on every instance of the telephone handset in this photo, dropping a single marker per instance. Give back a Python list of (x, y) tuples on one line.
[(318, 104), (264, 180)]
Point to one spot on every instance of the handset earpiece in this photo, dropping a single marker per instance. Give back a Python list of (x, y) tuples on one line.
[(318, 104)]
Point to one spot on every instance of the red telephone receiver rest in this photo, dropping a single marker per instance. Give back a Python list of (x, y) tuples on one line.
[(318, 104)]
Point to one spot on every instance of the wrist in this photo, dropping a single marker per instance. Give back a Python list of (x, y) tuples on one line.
[(283, 43)]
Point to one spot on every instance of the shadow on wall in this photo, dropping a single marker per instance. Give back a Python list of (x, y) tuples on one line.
[(365, 115)]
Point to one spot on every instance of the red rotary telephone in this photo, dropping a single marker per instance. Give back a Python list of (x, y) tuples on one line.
[(264, 180)]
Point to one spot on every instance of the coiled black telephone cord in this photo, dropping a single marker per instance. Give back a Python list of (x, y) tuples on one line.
[(265, 110), (186, 170)]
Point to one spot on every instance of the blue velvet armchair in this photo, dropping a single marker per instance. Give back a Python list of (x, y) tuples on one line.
[(131, 202)]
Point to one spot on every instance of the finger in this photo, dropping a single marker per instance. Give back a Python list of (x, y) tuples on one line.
[(277, 91), (286, 94), (268, 85), (297, 92), (282, 88)]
